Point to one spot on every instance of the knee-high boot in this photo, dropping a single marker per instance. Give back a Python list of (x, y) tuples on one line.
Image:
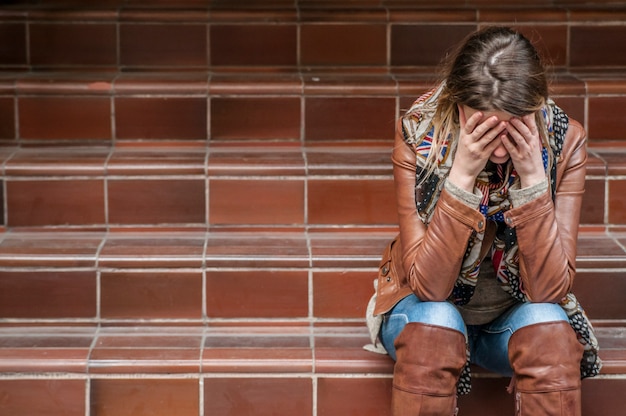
[(428, 364), (546, 361)]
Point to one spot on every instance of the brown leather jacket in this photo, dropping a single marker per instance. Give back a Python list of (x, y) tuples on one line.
[(426, 260)]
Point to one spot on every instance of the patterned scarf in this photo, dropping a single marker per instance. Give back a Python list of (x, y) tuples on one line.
[(494, 184)]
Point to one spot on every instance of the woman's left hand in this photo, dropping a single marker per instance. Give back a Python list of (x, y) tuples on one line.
[(524, 146)]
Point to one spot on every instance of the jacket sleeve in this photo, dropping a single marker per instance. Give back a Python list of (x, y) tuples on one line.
[(431, 255), (547, 231)]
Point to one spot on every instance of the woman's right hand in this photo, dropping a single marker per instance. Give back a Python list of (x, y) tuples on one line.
[(477, 140)]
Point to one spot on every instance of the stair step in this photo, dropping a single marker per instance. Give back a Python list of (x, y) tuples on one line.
[(116, 108), (370, 35), (193, 277), (234, 184), (321, 367)]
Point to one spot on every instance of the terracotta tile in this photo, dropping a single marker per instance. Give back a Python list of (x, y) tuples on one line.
[(617, 202), (265, 118), (55, 202), (565, 84), (351, 201), (156, 201), (501, 15), (64, 118), (7, 117), (254, 45), (56, 161), (147, 350), (104, 10), (343, 44), (13, 41), (599, 293), (615, 161), (54, 397), (166, 83), (165, 11), (550, 41), (148, 249), (46, 295), (150, 360), (363, 396), (584, 41), (333, 83), (405, 50), (126, 397), (59, 84), (573, 106), (145, 336), (487, 390), (59, 249), (341, 335), (161, 118), (254, 11), (592, 211), (607, 82), (601, 14), (604, 122), (596, 164), (277, 294), (256, 201), (255, 360), (598, 251), (361, 248), (252, 339), (173, 295), (341, 12), (602, 396), (47, 337), (244, 159), (258, 396), (169, 45), (342, 360), (157, 160), (47, 350), (342, 294), (352, 159), (261, 84), (333, 118), (257, 249), (401, 11), (71, 44)]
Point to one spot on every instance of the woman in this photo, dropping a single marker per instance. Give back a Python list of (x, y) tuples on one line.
[(489, 177)]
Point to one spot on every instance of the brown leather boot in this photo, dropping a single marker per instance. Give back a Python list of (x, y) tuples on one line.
[(428, 364), (546, 361)]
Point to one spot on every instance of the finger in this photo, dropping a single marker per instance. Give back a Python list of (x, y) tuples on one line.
[(509, 144), (521, 133), (489, 135), (529, 121), (487, 127), (473, 122)]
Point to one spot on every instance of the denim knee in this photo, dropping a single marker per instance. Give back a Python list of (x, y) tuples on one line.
[(411, 309), (526, 314)]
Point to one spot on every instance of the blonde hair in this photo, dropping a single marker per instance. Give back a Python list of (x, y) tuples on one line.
[(494, 69)]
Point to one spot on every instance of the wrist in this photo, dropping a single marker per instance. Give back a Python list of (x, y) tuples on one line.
[(528, 181), (462, 181)]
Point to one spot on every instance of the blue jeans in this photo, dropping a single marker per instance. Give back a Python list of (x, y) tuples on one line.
[(488, 343)]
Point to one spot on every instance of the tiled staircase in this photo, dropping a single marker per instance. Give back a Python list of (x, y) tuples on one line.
[(195, 195)]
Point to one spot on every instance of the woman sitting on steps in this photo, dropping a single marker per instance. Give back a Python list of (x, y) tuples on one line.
[(489, 176)]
